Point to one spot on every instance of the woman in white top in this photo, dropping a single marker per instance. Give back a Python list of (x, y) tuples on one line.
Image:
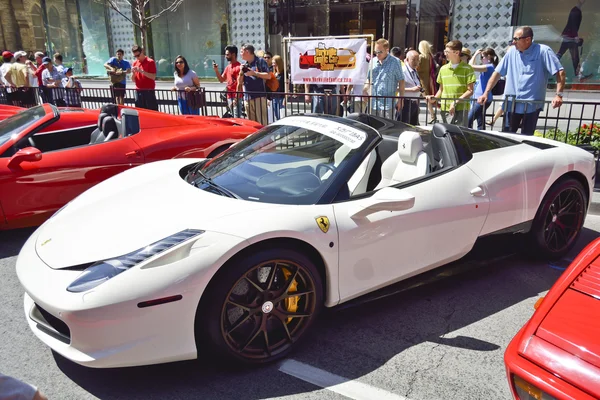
[(186, 82)]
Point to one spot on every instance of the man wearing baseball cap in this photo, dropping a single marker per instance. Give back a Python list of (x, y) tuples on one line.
[(18, 77), (72, 89), (7, 58), (52, 83)]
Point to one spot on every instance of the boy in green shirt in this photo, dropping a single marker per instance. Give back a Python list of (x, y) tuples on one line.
[(456, 80)]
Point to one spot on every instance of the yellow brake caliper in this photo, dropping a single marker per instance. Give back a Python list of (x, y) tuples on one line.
[(291, 303)]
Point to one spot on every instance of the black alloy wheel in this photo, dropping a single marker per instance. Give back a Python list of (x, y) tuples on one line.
[(559, 220), (564, 219), (266, 304)]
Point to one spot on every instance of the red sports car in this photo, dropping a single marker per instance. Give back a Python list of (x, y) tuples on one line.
[(6, 111), (48, 156), (556, 355)]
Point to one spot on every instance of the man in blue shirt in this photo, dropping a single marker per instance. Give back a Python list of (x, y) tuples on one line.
[(527, 68), (117, 70), (387, 79), (253, 75)]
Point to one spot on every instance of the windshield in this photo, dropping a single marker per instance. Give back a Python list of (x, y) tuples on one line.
[(11, 127), (292, 161)]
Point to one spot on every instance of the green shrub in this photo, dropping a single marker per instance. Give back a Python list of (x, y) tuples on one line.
[(586, 134)]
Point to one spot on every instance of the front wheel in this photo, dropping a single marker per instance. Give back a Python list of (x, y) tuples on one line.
[(559, 220), (261, 305)]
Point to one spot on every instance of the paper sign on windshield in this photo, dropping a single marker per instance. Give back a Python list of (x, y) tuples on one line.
[(347, 135)]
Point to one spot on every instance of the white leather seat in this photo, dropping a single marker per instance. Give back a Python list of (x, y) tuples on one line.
[(409, 162), (357, 184)]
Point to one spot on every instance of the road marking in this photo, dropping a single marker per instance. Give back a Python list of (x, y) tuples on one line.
[(335, 383)]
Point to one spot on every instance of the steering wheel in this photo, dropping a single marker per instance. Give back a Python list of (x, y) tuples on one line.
[(31, 142), (329, 167)]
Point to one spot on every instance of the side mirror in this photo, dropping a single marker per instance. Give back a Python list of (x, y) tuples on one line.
[(386, 199), (30, 154)]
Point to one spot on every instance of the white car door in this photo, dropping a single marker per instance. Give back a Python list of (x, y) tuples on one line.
[(398, 233)]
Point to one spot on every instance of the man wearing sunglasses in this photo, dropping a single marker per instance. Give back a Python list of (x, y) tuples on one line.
[(144, 77), (527, 67)]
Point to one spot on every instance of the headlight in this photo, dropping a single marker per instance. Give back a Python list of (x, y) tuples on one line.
[(527, 391), (102, 271)]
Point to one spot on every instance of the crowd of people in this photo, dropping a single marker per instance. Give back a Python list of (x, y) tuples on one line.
[(456, 82), (27, 82)]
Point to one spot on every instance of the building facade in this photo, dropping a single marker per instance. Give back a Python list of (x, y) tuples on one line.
[(88, 32), (480, 24)]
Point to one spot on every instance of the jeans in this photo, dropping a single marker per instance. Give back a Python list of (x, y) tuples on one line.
[(324, 105), (186, 109), (478, 113), (236, 109), (276, 106), (529, 122)]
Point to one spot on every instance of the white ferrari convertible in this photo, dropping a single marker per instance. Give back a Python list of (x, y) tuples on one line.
[(236, 255)]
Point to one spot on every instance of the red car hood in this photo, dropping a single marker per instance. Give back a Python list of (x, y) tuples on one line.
[(574, 326), (573, 323)]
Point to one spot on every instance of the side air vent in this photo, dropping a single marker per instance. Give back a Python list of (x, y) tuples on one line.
[(542, 146), (589, 280)]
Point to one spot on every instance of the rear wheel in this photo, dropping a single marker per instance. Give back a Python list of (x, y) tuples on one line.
[(559, 220), (260, 306)]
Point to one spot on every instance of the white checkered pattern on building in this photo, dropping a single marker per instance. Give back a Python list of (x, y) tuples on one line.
[(247, 22), (483, 23)]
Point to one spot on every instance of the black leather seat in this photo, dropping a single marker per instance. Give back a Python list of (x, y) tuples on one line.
[(110, 129), (449, 147), (108, 132)]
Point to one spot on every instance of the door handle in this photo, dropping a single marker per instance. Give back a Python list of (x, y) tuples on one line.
[(131, 154), (478, 191)]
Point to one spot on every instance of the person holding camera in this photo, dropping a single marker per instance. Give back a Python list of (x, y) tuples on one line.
[(253, 75), (412, 89), (230, 75)]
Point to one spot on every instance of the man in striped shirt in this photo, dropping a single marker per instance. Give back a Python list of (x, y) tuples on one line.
[(456, 79)]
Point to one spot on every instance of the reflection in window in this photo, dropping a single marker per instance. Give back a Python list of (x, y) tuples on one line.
[(37, 24), (56, 35), (95, 42), (171, 35)]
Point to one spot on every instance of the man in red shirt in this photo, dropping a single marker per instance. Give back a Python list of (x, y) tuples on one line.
[(230, 74), (144, 77)]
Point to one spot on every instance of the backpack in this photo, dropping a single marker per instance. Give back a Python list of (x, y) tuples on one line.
[(272, 83)]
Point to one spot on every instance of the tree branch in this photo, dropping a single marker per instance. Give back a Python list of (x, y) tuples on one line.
[(173, 7), (112, 4)]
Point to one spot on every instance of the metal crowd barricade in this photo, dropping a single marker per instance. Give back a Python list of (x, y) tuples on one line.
[(574, 122)]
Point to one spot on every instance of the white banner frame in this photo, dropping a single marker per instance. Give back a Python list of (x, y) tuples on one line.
[(286, 51)]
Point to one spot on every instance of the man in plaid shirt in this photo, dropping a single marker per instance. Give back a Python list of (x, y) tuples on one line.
[(387, 78)]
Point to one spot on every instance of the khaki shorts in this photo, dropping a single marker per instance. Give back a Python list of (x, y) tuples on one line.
[(256, 109)]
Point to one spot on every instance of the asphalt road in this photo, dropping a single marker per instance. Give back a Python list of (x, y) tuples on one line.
[(439, 341)]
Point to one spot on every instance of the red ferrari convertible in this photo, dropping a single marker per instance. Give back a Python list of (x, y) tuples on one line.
[(48, 156), (556, 355)]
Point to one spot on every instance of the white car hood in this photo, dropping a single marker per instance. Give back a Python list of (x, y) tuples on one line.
[(129, 211)]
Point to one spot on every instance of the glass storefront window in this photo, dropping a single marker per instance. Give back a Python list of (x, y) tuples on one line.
[(95, 42), (199, 33), (572, 29)]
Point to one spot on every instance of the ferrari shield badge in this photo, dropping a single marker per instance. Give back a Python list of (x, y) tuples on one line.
[(323, 223)]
